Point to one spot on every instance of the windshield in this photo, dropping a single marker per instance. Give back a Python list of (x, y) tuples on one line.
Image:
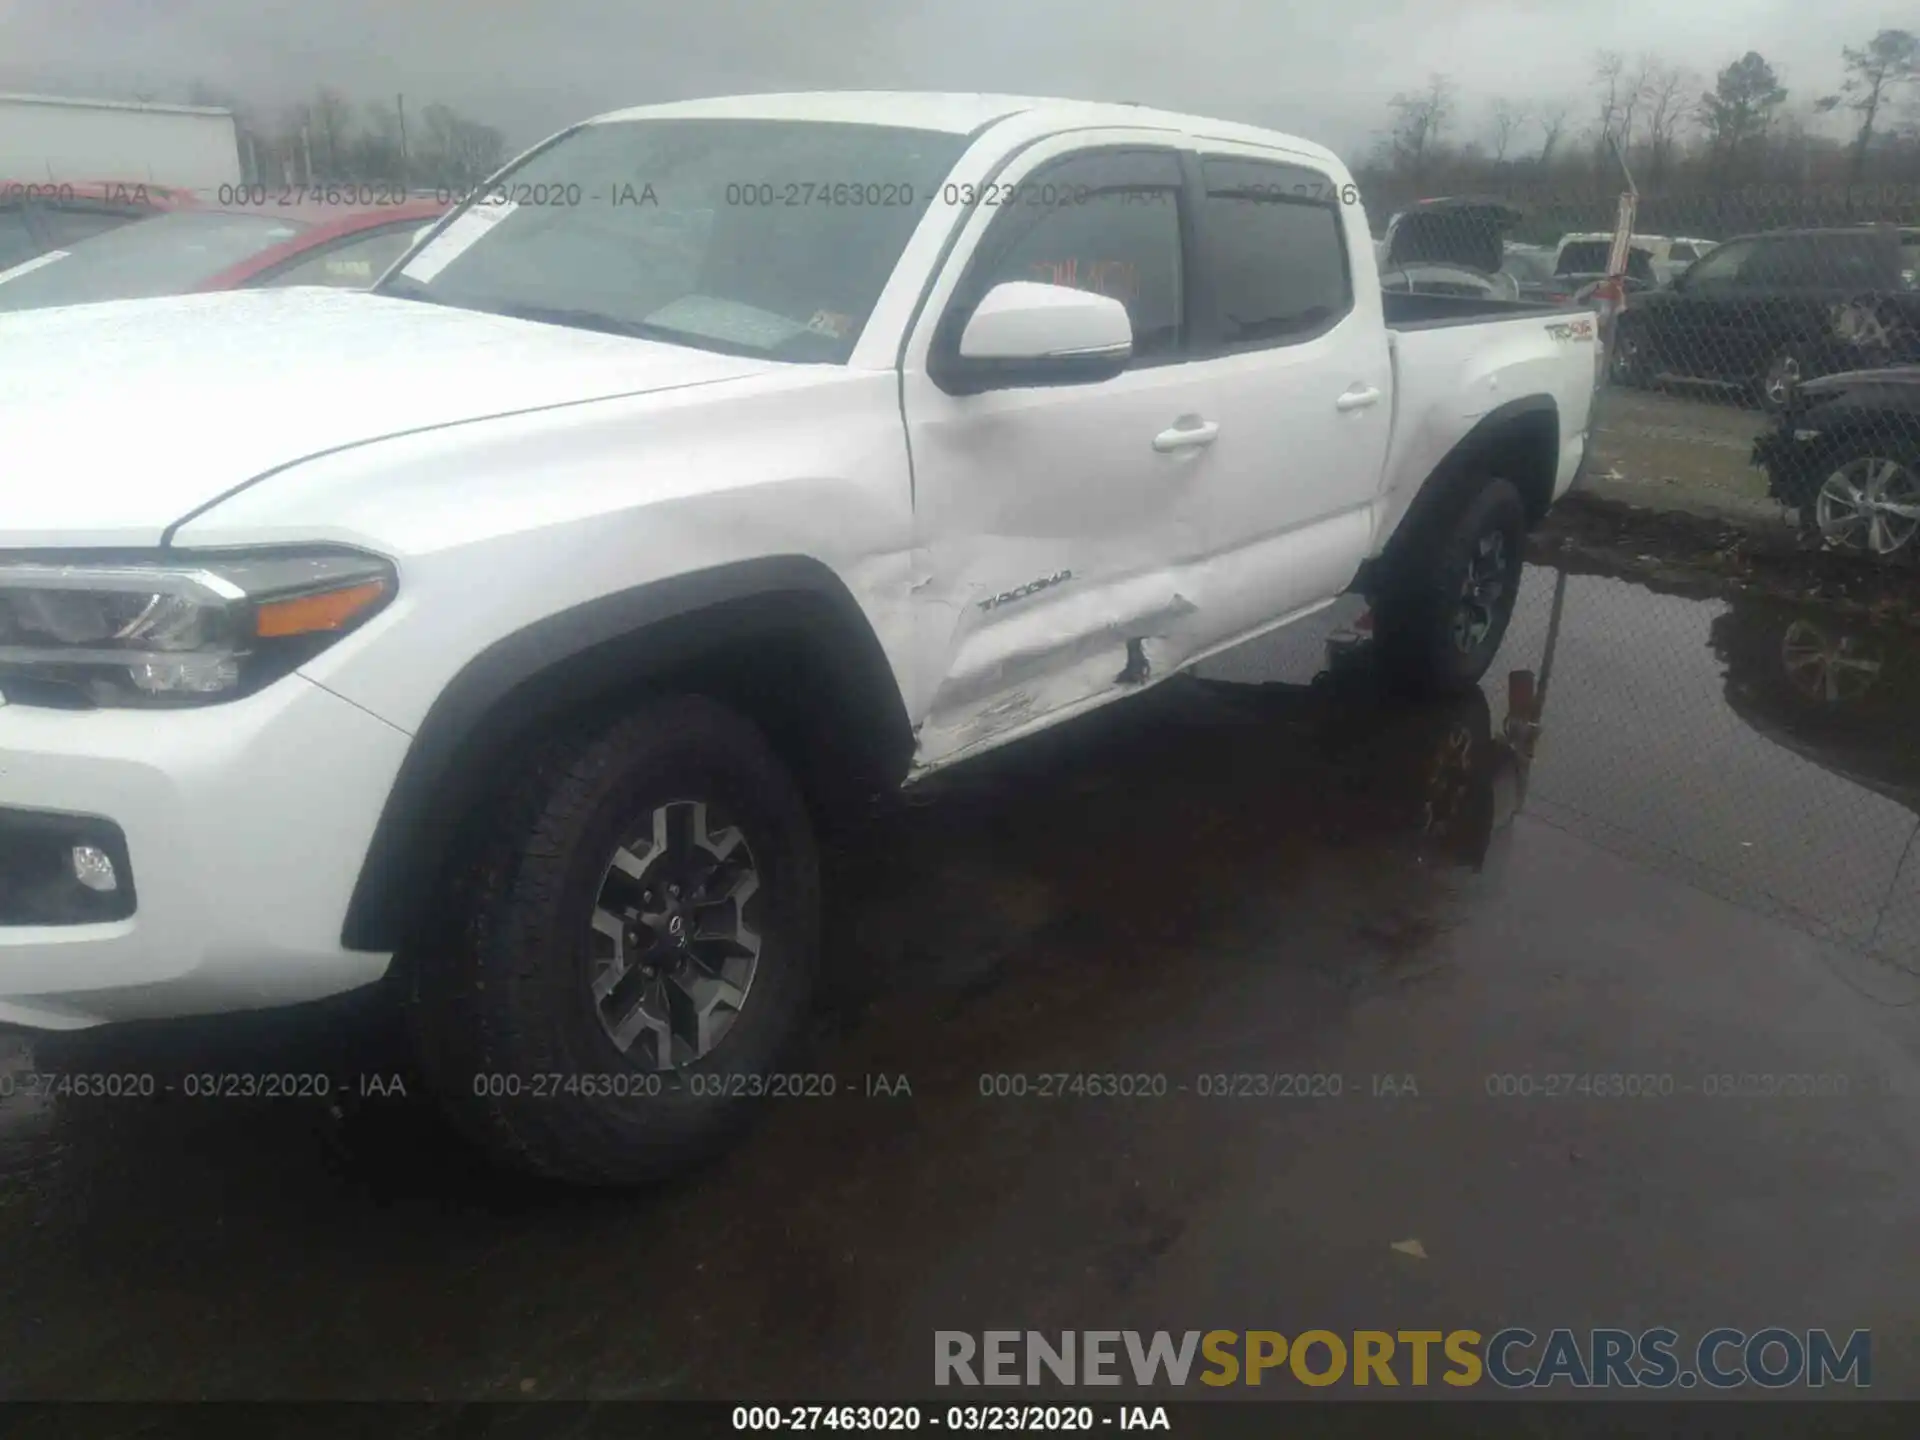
[(166, 255), (763, 237)]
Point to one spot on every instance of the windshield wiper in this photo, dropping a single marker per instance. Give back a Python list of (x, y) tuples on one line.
[(581, 320), (405, 288), (615, 325)]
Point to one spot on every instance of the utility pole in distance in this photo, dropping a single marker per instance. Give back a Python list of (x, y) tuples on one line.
[(400, 109)]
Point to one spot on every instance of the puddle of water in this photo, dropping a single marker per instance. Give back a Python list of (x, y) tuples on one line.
[(1759, 749)]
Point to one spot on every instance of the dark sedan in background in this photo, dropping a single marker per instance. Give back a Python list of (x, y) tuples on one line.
[(1766, 312), (215, 248), (1846, 455)]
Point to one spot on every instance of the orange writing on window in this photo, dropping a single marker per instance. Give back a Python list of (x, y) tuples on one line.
[(1114, 278)]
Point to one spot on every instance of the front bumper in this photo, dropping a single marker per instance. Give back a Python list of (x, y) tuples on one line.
[(243, 827)]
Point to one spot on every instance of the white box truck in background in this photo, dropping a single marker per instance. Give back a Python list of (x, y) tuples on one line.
[(47, 138)]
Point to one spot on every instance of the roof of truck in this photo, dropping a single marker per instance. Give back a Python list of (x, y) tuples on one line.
[(956, 113)]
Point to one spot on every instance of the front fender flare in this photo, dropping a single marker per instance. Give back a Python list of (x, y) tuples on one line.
[(570, 660)]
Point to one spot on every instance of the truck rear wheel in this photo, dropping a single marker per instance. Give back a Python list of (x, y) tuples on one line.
[(633, 953), (1445, 603)]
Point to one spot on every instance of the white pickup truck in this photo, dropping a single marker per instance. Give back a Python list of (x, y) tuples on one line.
[(507, 634)]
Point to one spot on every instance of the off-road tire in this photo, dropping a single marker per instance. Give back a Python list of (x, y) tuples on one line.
[(502, 1016), (1421, 593)]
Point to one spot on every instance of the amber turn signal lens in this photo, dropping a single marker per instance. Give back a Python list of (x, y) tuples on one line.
[(313, 614)]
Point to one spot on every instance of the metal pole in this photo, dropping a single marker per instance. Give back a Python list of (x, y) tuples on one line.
[(1553, 639)]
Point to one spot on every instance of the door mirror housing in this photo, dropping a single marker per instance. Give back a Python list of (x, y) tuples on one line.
[(1024, 333)]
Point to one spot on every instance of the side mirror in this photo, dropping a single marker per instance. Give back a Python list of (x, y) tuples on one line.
[(1024, 333)]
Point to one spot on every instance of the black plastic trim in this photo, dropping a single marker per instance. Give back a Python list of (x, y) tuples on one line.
[(594, 652), (23, 828)]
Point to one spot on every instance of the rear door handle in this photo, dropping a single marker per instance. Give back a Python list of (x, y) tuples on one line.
[(1187, 436), (1358, 399)]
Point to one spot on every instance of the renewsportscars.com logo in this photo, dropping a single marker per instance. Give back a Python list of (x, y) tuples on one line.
[(1513, 1358)]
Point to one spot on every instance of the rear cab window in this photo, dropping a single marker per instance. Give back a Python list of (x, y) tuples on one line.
[(1275, 250)]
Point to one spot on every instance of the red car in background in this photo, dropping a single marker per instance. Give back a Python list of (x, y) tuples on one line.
[(41, 215), (221, 247)]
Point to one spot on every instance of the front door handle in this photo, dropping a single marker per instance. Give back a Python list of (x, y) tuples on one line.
[(1358, 399), (1191, 434)]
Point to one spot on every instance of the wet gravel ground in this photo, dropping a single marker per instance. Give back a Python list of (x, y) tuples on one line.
[(1679, 448), (1704, 872)]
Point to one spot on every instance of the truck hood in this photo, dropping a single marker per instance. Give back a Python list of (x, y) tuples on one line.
[(120, 419)]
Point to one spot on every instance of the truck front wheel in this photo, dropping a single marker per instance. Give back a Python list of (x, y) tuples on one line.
[(1445, 602), (631, 949)]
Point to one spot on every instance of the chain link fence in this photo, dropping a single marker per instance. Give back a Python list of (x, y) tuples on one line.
[(1730, 336)]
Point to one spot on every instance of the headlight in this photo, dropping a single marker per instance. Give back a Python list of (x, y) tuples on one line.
[(178, 629)]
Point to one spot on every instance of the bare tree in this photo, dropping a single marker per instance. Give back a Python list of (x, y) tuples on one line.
[(1506, 120), (332, 127), (457, 151), (1669, 109), (1553, 124), (1620, 89), (1609, 83), (1419, 121)]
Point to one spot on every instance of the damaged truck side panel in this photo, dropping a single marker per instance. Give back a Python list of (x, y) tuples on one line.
[(1073, 546)]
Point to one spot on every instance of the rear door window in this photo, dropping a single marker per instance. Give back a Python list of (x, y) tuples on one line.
[(1276, 252)]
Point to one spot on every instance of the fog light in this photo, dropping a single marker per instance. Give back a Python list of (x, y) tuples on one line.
[(94, 869)]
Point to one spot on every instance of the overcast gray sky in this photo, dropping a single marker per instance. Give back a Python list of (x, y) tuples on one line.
[(1324, 70)]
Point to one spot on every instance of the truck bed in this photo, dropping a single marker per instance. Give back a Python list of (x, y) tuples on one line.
[(1456, 360), (1417, 310)]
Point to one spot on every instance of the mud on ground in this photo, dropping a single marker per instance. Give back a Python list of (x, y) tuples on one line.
[(1703, 557)]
